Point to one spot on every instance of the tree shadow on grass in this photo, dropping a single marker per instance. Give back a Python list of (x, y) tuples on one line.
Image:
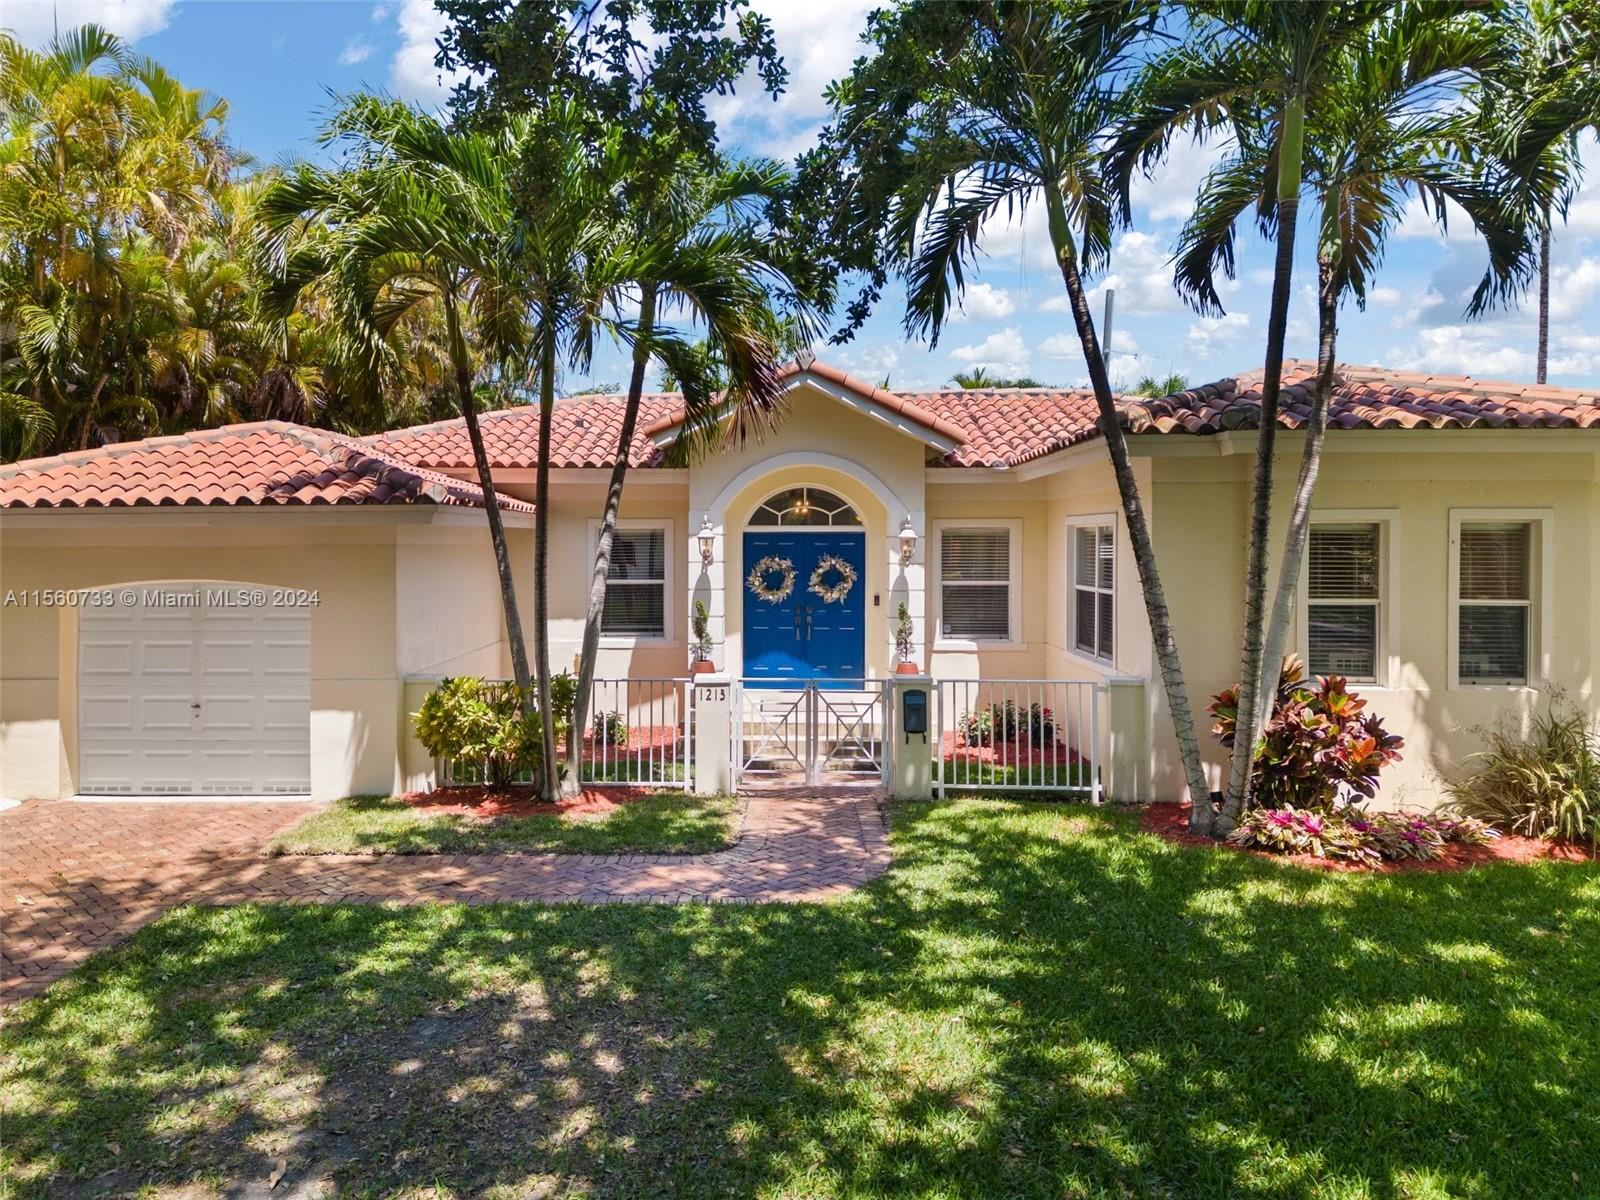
[(1035, 1002)]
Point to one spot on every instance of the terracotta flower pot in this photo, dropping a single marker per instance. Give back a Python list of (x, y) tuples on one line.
[(702, 666), (907, 668)]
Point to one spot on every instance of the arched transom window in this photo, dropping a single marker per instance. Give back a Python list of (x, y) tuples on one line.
[(805, 506)]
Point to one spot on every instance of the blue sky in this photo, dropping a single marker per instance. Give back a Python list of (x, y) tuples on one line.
[(276, 61)]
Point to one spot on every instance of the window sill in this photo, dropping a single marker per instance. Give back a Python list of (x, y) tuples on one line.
[(968, 645), (1106, 666), (617, 641)]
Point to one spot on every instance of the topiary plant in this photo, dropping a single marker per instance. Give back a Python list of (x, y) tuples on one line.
[(1320, 748)]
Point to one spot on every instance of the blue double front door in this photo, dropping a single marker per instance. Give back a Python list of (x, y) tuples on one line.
[(804, 636)]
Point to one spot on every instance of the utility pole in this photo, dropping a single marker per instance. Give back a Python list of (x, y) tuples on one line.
[(1105, 331)]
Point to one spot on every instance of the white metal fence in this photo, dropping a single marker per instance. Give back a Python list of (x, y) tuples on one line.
[(640, 731), (1018, 735)]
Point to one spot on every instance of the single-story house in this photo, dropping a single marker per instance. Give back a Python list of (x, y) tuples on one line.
[(249, 609)]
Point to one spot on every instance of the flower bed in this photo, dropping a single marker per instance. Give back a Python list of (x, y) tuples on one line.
[(1171, 821)]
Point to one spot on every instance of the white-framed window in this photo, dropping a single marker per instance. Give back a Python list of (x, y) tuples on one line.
[(1344, 599), (978, 571), (1498, 561), (638, 584), (1094, 601)]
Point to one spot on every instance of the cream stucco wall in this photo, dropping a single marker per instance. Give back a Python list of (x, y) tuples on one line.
[(394, 596), (1199, 506)]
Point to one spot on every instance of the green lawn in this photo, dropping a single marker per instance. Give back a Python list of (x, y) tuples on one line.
[(1037, 1001), (660, 823)]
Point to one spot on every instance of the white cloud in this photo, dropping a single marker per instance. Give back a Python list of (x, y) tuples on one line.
[(818, 41), (1067, 347), (982, 302), (1004, 352), (1208, 335), (1383, 297), (1418, 220), (1481, 350), (355, 51), (35, 23), (1170, 194), (1141, 273), (411, 72), (379, 12), (1573, 288)]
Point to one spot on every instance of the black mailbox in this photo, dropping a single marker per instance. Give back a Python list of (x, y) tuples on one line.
[(914, 711)]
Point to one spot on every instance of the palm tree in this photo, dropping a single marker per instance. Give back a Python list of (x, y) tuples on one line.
[(1156, 386), (1535, 106), (1387, 127), (421, 216), (976, 112), (691, 248), (1254, 68)]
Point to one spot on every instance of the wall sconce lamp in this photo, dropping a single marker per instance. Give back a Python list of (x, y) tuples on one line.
[(708, 541), (908, 543)]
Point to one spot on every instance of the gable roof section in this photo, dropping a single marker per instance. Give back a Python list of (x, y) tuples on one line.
[(901, 411), (266, 463)]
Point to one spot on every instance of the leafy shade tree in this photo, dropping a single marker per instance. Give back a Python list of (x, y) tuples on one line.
[(1156, 386), (694, 253), (645, 68), (417, 216), (970, 113), (1252, 68)]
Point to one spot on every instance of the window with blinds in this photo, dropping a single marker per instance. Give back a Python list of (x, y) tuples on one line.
[(1093, 596), (1343, 597), (975, 584), (1495, 613), (636, 585)]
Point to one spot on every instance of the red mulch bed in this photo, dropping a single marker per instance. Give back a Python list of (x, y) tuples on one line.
[(487, 804), (1171, 821), (1010, 754)]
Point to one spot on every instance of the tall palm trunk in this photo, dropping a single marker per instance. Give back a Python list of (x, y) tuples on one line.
[(549, 765), (1294, 539), (602, 550), (497, 529), (1255, 586), (1144, 555), (1544, 302)]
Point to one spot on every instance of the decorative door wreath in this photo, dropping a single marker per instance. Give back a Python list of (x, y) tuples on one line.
[(756, 581), (838, 591)]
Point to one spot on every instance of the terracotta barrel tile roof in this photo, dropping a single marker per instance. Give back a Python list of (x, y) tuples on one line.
[(271, 462), (584, 433), (1369, 398)]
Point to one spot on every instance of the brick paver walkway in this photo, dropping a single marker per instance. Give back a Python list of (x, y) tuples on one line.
[(77, 876)]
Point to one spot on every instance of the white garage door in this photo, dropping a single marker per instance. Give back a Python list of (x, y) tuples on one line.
[(204, 696)]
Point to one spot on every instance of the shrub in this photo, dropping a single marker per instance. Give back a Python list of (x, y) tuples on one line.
[(904, 635), (1007, 722), (610, 728), (1356, 836), (700, 625), (1543, 784), (468, 720), (1320, 748)]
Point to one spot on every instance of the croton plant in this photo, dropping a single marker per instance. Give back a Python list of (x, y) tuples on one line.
[(1320, 748)]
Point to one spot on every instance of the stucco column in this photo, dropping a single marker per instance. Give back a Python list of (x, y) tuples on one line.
[(713, 735), (910, 755), (1127, 751)]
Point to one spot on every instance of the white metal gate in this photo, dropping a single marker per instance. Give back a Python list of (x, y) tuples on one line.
[(817, 732), (1018, 735)]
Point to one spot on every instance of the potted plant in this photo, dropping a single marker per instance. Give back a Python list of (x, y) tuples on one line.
[(904, 649), (700, 649)]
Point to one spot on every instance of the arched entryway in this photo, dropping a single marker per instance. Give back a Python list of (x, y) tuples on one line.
[(805, 585)]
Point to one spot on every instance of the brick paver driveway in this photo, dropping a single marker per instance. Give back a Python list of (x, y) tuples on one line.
[(76, 876)]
